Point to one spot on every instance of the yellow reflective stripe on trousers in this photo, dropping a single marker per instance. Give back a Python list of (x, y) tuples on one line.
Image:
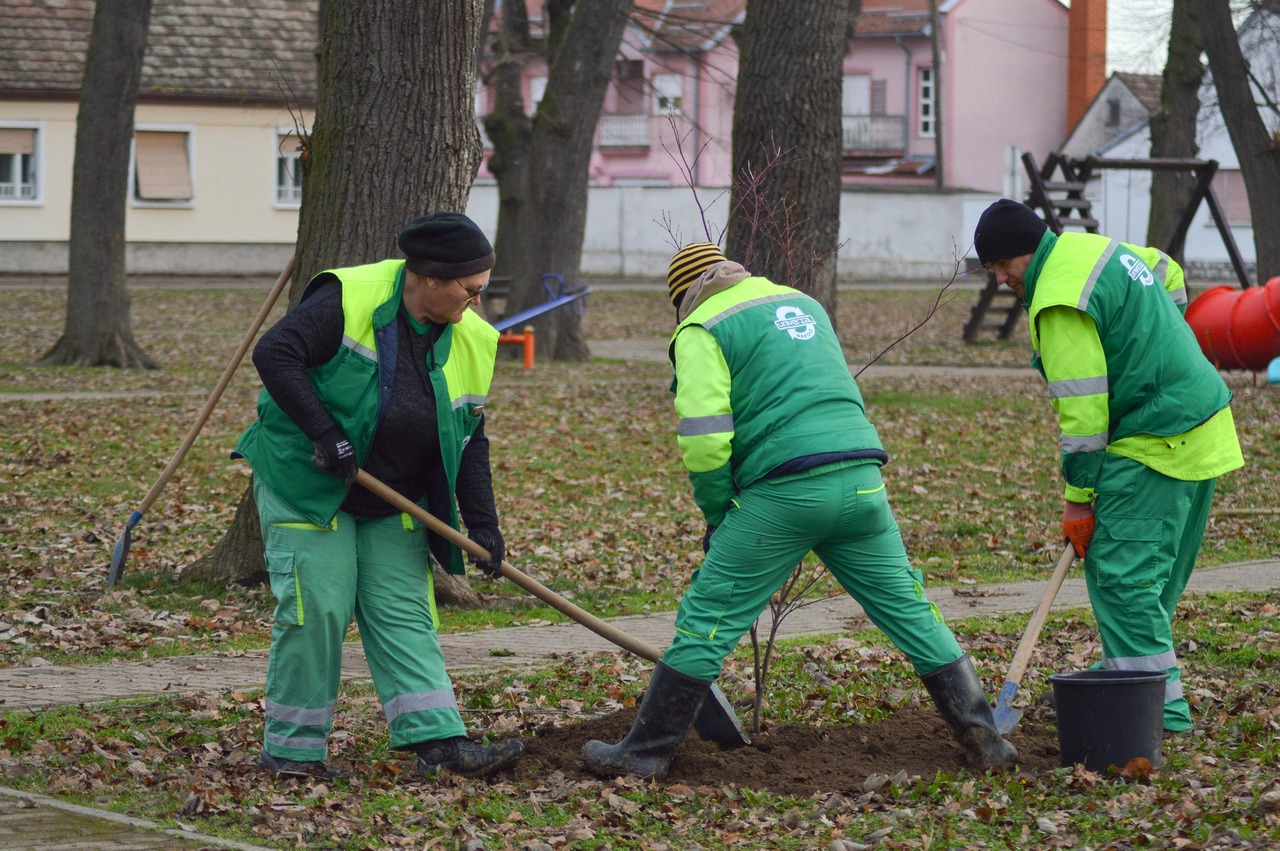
[(297, 583)]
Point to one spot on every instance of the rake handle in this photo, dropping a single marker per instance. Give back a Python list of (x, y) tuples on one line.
[(209, 404), (524, 580)]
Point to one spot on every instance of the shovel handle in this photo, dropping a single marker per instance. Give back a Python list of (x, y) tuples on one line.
[(1023, 654), (524, 580)]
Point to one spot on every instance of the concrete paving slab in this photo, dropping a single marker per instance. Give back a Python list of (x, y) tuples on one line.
[(40, 823)]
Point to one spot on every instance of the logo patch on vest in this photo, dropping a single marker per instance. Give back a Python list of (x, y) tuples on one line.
[(1138, 270), (797, 323)]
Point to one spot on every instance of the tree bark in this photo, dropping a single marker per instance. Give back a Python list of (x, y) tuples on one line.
[(1173, 128), (97, 330), (542, 169), (785, 200), (395, 138), (1256, 148)]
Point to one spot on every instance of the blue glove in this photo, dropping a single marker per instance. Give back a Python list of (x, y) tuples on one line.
[(490, 538)]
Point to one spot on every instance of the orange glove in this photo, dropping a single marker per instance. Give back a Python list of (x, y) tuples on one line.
[(1078, 524)]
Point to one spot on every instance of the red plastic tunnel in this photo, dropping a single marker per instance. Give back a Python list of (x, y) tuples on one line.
[(1238, 329)]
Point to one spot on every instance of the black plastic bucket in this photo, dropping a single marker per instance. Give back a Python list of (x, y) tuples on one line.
[(1109, 717)]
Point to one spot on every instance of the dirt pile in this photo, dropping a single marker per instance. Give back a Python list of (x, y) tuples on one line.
[(795, 760)]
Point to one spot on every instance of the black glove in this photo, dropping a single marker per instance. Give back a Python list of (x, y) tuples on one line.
[(491, 539), (706, 538), (335, 455)]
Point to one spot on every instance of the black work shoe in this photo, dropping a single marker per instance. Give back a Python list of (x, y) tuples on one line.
[(281, 767), (468, 758)]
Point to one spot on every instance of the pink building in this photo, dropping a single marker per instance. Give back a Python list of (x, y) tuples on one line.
[(1000, 87)]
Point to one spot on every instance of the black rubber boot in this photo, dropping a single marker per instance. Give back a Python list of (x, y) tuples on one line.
[(468, 758), (281, 767), (666, 714), (957, 692)]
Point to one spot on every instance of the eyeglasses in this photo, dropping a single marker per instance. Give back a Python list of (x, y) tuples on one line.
[(472, 295)]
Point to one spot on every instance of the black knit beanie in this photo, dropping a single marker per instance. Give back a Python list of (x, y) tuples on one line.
[(445, 245), (1007, 229)]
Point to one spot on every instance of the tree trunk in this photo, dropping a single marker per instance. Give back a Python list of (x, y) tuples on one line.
[(511, 133), (395, 138), (1256, 148), (238, 557), (1173, 129), (785, 200), (544, 172), (97, 331)]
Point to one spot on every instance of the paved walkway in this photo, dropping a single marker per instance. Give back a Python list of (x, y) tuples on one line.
[(42, 824)]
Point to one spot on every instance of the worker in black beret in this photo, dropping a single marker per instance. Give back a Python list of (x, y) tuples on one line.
[(380, 367), (1144, 418)]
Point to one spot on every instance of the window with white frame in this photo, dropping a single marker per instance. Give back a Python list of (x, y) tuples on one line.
[(667, 90), (162, 167), (18, 166), (537, 88), (288, 169), (927, 98)]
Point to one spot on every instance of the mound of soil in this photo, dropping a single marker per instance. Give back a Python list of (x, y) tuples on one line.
[(798, 760)]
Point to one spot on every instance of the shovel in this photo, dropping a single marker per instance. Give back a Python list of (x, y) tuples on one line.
[(716, 721), (1006, 716), (121, 551)]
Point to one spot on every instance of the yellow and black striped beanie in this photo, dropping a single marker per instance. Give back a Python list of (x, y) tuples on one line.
[(688, 265)]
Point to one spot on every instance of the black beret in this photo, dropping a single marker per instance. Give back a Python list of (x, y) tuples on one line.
[(445, 245), (1007, 229)]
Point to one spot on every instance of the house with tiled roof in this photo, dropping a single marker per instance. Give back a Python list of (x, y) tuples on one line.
[(224, 88), (226, 84), (676, 78), (1125, 103), (1117, 126)]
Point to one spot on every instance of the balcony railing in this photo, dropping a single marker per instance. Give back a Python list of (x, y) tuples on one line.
[(873, 133), (17, 191), (623, 131)]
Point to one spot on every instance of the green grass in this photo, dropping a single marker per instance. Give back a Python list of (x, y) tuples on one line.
[(174, 760), (596, 505)]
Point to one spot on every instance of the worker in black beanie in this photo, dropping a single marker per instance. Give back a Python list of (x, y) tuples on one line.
[(380, 367), (1145, 422)]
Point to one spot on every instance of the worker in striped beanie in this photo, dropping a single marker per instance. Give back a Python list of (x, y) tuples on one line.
[(688, 265)]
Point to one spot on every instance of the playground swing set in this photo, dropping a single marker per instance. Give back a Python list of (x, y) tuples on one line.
[(1236, 328)]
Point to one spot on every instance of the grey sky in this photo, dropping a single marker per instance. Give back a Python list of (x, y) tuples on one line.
[(1137, 35)]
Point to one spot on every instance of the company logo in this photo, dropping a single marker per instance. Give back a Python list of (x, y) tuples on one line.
[(797, 323), (1138, 270)]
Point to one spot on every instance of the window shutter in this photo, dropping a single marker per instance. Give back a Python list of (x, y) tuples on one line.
[(17, 140), (163, 172)]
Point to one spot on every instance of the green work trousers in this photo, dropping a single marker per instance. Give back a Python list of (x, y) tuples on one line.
[(841, 513), (1149, 529), (380, 571)]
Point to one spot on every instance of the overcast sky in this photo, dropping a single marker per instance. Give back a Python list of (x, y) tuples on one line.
[(1137, 35)]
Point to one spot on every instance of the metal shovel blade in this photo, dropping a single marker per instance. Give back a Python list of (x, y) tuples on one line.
[(717, 722), (1005, 715)]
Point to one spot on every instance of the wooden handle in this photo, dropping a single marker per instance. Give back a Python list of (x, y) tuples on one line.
[(1028, 642), (524, 580), (203, 416)]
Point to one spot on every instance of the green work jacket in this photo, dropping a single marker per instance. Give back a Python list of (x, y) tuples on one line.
[(1121, 362), (760, 379), (354, 387)]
